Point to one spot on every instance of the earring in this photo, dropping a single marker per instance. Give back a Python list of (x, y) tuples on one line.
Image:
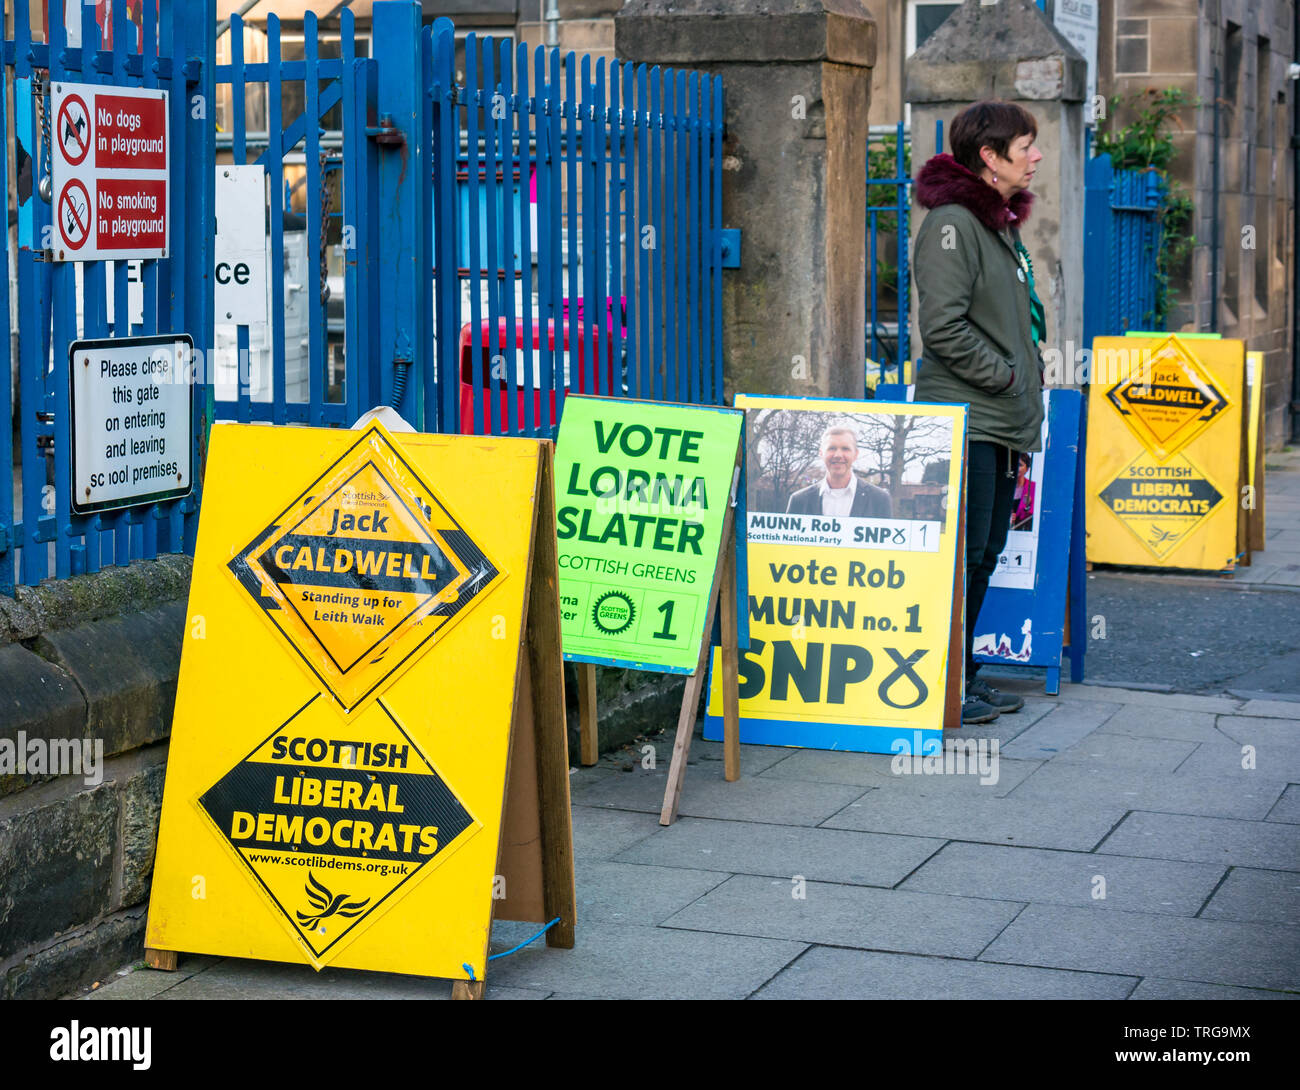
[(995, 177)]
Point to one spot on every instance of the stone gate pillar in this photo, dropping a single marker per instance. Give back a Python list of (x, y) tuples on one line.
[(797, 77)]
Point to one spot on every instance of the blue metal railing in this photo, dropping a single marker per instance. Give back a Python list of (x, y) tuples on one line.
[(58, 303), (883, 350), (545, 225), (617, 288), (1122, 236), (332, 383)]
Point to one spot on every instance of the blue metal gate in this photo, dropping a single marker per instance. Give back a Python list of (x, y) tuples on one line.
[(170, 48), (467, 250), (1121, 247)]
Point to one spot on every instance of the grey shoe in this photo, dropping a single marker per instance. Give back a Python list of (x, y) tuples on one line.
[(974, 710), (1003, 702)]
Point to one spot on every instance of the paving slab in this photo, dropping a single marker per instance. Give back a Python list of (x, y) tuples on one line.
[(1067, 725), (753, 759), (623, 893), (839, 915), (1259, 730), (1140, 944), (829, 855), (1144, 721), (237, 978), (828, 973), (1288, 806), (1262, 844), (1215, 705), (1157, 754), (1277, 760), (138, 982), (612, 961), (1276, 709), (984, 818), (754, 798), (1246, 795), (879, 770), (1068, 878), (602, 834), (1158, 988), (1264, 896)]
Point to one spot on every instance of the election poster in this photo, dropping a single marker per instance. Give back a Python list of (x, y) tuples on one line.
[(368, 756), (1166, 452), (1022, 621), (641, 491), (853, 517)]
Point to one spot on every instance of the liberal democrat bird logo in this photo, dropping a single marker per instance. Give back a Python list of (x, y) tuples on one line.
[(326, 904), (1160, 537)]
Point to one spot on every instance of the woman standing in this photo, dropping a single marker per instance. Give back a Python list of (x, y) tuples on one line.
[(981, 323)]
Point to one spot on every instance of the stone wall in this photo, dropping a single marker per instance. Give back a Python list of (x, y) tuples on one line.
[(93, 658)]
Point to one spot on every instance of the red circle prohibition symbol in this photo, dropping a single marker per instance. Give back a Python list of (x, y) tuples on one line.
[(74, 133), (74, 222)]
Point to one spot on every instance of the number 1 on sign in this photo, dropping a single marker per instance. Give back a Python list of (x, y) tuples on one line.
[(667, 610)]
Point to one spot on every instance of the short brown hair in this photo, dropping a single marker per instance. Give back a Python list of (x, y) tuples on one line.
[(991, 123)]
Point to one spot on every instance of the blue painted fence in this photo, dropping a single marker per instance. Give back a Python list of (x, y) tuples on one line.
[(889, 342), (1122, 235), (56, 304), (544, 225)]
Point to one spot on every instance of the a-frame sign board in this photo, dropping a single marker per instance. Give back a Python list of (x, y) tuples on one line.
[(368, 755), (646, 495)]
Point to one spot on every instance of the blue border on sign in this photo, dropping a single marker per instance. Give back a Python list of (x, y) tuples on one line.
[(1006, 609), (846, 737)]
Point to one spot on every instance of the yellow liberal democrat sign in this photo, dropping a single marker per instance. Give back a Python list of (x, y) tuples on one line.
[(1166, 452), (354, 667), (361, 568)]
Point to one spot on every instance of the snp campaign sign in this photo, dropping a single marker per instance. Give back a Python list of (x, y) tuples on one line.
[(109, 153), (854, 513), (641, 490)]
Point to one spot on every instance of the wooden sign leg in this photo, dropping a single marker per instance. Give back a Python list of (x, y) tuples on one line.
[(730, 664), (160, 959), (691, 698), (589, 746), (468, 989)]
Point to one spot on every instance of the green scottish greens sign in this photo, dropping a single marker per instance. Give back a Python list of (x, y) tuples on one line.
[(641, 491)]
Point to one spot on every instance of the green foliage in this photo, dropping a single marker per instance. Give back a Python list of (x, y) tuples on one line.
[(1147, 143)]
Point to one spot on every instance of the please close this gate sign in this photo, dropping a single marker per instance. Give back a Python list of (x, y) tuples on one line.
[(109, 150)]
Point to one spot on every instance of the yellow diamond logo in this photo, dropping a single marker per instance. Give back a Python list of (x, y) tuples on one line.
[(1169, 401), (363, 570), (336, 820), (1161, 504)]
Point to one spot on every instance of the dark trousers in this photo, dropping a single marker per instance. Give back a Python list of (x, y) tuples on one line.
[(990, 491)]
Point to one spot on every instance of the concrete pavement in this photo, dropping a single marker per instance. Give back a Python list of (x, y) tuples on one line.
[(1134, 844)]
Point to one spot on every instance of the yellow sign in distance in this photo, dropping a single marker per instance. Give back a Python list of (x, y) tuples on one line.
[(392, 865), (1166, 452), (1169, 399)]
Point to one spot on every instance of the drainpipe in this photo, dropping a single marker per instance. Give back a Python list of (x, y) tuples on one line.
[(1293, 72), (1214, 210), (552, 23)]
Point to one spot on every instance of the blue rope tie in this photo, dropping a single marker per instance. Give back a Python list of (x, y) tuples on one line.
[(526, 941), (470, 969)]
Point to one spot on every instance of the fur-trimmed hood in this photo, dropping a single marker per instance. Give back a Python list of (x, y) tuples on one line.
[(943, 180)]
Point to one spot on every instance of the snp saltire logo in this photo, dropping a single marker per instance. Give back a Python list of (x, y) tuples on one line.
[(336, 819), (363, 570)]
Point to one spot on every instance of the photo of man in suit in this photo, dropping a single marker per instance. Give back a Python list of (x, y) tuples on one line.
[(841, 492)]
